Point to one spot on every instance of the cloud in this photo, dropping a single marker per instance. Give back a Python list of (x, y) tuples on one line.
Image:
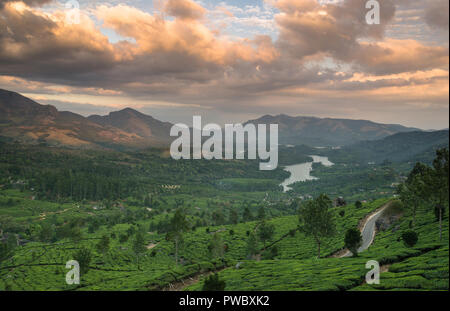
[(340, 30), (436, 13), (27, 2), (182, 37), (35, 44), (184, 9), (396, 56), (308, 28), (188, 59)]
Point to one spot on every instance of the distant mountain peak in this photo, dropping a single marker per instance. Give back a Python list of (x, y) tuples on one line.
[(25, 121), (314, 131), (127, 110)]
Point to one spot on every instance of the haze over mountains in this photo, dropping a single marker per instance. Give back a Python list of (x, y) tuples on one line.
[(328, 132), (401, 147), (25, 121)]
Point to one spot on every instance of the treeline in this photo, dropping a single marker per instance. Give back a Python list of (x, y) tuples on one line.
[(96, 175), (428, 186)]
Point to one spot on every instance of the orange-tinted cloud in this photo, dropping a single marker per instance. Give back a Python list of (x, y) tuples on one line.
[(184, 9), (182, 36), (340, 31), (184, 59)]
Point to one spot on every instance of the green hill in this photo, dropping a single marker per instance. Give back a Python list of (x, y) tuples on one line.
[(401, 147)]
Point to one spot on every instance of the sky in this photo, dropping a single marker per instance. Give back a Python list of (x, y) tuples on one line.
[(231, 60)]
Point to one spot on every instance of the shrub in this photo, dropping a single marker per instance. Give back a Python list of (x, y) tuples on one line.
[(83, 256), (271, 253), (353, 240), (358, 204), (213, 283), (410, 238)]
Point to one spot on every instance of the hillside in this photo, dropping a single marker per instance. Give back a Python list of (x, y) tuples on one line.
[(422, 267), (134, 122), (23, 120), (401, 147), (328, 132)]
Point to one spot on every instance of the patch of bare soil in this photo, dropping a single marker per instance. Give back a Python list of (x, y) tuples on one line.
[(151, 245)]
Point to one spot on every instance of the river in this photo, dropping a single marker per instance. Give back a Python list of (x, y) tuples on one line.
[(302, 171)]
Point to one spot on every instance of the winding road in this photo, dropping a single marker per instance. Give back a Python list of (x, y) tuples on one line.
[(368, 231)]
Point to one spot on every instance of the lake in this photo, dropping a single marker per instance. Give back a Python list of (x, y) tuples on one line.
[(302, 171)]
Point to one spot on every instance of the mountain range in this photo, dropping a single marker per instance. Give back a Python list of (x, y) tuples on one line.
[(400, 147), (23, 120), (328, 132)]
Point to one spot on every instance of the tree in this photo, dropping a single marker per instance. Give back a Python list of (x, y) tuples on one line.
[(178, 226), (252, 245), (46, 232), (340, 201), (358, 204), (439, 184), (247, 214), (12, 241), (5, 251), (139, 246), (271, 253), (261, 213), (265, 232), (413, 191), (103, 245), (234, 217), (353, 240), (316, 219), (216, 246), (83, 256), (213, 283), (218, 217), (123, 238), (410, 238), (75, 234)]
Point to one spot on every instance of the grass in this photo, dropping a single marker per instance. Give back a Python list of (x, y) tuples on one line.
[(423, 267), (41, 266)]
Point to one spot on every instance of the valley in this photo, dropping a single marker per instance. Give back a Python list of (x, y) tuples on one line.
[(136, 219)]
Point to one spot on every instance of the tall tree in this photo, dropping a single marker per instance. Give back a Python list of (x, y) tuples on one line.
[(103, 245), (265, 232), (247, 214), (353, 240), (139, 246), (439, 184), (178, 226), (316, 219), (234, 217), (413, 191), (84, 257), (261, 213), (216, 246), (252, 245)]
